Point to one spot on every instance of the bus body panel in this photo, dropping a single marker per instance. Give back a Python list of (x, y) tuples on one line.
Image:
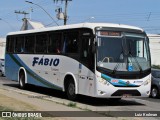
[(105, 88), (86, 82), (11, 68), (42, 74)]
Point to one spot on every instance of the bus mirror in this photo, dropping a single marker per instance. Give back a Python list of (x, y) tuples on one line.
[(148, 40)]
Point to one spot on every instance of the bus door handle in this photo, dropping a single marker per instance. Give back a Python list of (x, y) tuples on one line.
[(82, 77), (89, 78), (54, 73)]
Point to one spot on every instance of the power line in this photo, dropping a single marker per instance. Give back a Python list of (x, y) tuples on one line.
[(43, 10), (7, 23)]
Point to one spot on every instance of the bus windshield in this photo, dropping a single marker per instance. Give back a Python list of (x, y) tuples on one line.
[(121, 51)]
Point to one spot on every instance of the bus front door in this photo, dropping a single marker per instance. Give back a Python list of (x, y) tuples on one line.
[(86, 81)]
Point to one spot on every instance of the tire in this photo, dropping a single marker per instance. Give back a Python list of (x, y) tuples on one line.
[(154, 92), (22, 84), (115, 99), (70, 90), (0, 73)]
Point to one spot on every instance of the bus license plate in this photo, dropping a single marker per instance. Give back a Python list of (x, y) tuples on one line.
[(127, 95)]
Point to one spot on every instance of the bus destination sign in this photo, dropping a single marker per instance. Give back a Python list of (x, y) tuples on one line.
[(110, 33)]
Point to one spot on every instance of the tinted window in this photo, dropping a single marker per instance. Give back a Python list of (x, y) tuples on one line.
[(29, 44), (10, 44), (41, 43), (54, 45), (19, 44), (70, 42)]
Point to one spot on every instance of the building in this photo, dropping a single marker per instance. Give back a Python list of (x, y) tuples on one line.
[(2, 48), (28, 25), (155, 48)]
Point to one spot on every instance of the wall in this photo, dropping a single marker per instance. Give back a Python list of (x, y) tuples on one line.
[(2, 47), (155, 48)]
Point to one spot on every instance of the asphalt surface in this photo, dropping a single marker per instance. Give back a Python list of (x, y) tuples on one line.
[(5, 83), (87, 103)]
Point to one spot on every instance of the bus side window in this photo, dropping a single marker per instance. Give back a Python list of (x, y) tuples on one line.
[(70, 42), (29, 44), (85, 49), (54, 44), (19, 44), (10, 44), (41, 43), (86, 55)]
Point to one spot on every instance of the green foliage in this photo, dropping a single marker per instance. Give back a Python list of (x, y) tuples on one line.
[(71, 104), (156, 66)]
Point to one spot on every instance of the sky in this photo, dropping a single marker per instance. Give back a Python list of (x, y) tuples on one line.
[(140, 13)]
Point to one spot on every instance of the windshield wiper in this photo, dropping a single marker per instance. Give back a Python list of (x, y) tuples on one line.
[(122, 54), (130, 53), (115, 68), (140, 68)]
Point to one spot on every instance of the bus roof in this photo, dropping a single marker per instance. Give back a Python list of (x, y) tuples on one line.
[(80, 25)]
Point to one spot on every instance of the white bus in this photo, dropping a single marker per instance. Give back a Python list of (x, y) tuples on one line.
[(94, 59)]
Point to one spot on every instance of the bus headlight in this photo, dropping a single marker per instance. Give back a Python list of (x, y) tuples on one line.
[(103, 81), (146, 82)]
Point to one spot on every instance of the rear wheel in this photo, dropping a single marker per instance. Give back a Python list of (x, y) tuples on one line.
[(1, 73), (22, 84), (154, 92), (70, 90)]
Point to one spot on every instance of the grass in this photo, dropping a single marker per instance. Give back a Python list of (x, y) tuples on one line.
[(156, 66), (72, 104), (4, 109)]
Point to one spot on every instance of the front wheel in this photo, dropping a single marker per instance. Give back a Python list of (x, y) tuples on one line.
[(154, 92), (22, 84), (71, 90)]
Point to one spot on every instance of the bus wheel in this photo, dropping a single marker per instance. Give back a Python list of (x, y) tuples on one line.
[(0, 73), (70, 90), (115, 99), (154, 92), (22, 84)]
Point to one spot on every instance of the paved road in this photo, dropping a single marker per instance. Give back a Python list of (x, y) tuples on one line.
[(5, 83), (86, 103)]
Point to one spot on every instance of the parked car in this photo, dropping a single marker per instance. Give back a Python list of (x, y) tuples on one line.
[(2, 71), (155, 83)]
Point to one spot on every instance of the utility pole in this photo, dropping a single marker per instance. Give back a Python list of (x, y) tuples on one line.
[(65, 11), (24, 19), (21, 12)]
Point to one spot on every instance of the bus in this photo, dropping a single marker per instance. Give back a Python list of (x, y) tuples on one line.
[(101, 60)]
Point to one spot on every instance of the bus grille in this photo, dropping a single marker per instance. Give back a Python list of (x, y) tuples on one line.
[(129, 92)]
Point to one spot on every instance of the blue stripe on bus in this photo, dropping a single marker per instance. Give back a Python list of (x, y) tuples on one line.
[(118, 83), (36, 77)]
